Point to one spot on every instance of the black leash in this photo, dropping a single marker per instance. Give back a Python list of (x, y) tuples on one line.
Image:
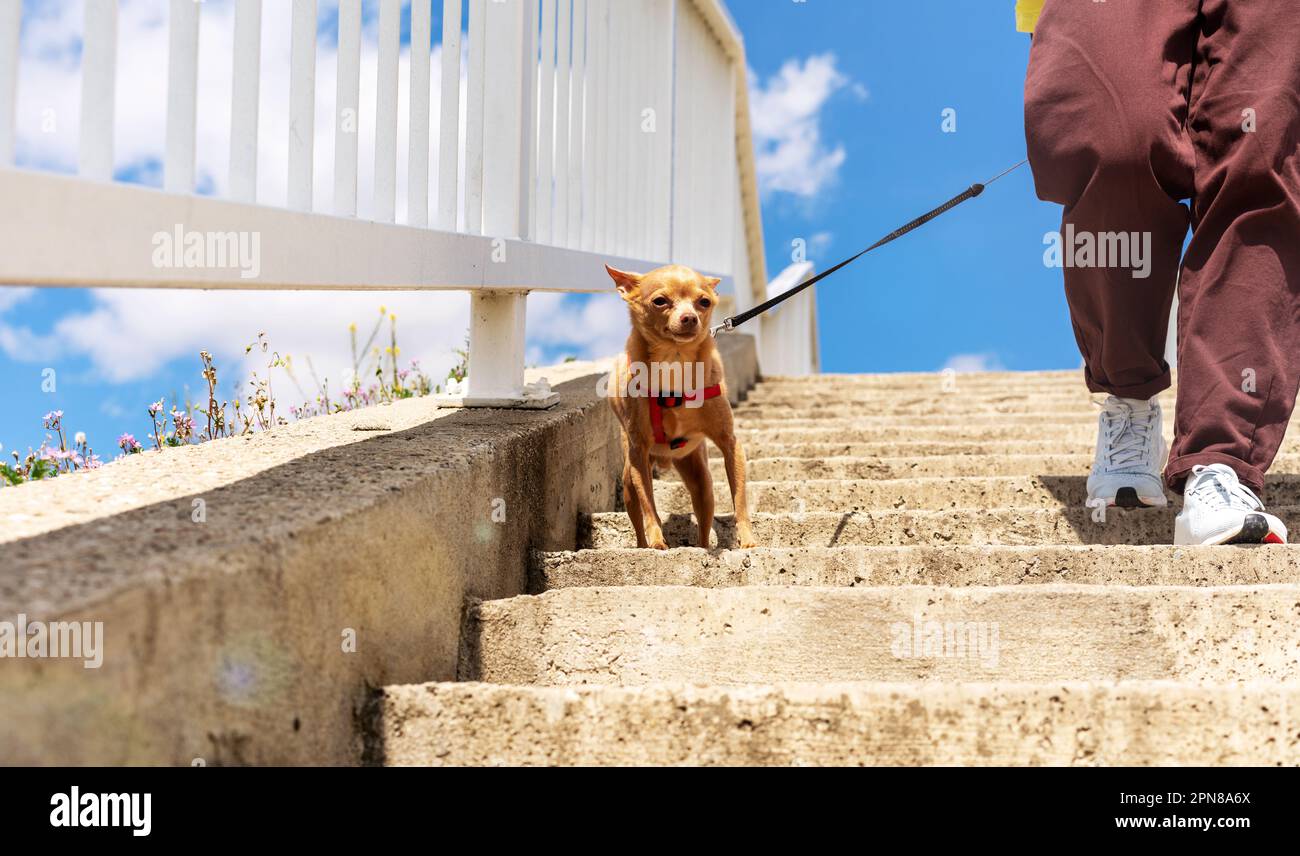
[(970, 193)]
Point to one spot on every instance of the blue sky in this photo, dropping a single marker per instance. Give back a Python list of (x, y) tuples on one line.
[(851, 137), (970, 283)]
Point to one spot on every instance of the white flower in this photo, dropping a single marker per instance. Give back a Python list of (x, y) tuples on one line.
[(80, 438)]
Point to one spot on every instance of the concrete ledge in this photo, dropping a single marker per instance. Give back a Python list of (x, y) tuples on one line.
[(231, 577), (225, 639), (1130, 723), (740, 358)]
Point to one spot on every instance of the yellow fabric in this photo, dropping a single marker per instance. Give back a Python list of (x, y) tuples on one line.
[(1027, 14)]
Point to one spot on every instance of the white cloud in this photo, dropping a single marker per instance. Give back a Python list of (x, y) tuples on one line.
[(12, 295), (128, 334), (963, 363), (820, 243), (786, 114), (595, 326), (131, 332), (18, 342)]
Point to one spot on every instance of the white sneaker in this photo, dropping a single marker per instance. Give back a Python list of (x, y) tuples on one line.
[(1130, 455), (1219, 509)]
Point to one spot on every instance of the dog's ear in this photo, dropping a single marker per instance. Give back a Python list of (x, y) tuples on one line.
[(712, 282), (627, 282)]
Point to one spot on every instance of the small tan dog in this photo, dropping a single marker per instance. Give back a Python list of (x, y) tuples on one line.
[(668, 391)]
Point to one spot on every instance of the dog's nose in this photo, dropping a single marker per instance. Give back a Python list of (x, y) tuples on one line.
[(689, 320)]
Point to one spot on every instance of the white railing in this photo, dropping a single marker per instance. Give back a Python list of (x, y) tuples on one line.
[(594, 131), (787, 337)]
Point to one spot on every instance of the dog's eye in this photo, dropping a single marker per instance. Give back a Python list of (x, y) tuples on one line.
[(705, 303), (661, 302)]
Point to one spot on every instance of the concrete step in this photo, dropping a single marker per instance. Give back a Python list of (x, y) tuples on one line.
[(1288, 461), (920, 494), (1061, 437), (960, 565), (759, 635), (923, 466), (913, 528), (757, 447), (1074, 723), (779, 439), (801, 469), (840, 409), (902, 422), (1050, 380), (763, 396)]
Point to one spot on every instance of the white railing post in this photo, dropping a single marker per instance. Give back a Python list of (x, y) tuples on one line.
[(510, 118), (578, 174), (182, 95), (544, 221), (475, 110), (496, 348), (347, 109), (503, 122), (302, 105), (559, 233), (662, 70), (621, 109), (527, 228), (244, 100), (390, 34), (640, 39), (98, 82), (449, 123), (595, 223), (417, 170), (11, 20)]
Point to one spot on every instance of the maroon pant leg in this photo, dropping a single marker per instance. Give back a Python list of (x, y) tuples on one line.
[(1239, 298), (1106, 103)]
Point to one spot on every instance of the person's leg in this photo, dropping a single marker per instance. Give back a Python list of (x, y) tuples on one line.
[(1105, 103), (1239, 307)]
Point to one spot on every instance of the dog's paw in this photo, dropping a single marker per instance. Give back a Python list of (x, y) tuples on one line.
[(746, 541), (661, 544)]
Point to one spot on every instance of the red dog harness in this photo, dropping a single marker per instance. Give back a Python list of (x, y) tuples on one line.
[(658, 404)]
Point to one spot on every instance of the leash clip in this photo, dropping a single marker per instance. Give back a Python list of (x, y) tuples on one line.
[(725, 325)]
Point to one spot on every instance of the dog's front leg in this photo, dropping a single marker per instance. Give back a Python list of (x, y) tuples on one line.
[(694, 470), (639, 497), (733, 456)]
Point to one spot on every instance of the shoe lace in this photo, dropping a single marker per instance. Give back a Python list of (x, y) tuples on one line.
[(1128, 432), (1217, 488)]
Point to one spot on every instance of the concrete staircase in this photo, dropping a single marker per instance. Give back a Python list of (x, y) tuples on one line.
[(930, 590)]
